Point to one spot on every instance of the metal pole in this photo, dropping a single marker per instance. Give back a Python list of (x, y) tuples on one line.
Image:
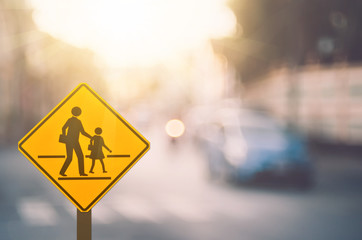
[(84, 225)]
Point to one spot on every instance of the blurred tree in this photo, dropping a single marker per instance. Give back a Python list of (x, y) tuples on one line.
[(292, 32), (37, 71)]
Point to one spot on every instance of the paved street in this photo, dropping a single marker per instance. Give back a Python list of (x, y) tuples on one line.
[(167, 195)]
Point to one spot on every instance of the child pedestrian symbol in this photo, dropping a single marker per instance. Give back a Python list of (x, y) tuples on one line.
[(96, 145)]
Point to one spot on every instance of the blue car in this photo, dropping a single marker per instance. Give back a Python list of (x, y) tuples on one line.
[(249, 146)]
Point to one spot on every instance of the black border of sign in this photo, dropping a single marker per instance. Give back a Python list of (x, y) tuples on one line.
[(86, 209)]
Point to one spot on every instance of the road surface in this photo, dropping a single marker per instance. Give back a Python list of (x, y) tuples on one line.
[(167, 195)]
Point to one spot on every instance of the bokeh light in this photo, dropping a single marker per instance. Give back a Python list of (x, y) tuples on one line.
[(175, 128)]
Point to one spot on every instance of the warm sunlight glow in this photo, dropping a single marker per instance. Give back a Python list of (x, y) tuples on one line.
[(135, 32)]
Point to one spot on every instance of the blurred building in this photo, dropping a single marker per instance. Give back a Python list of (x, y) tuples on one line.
[(324, 102), (301, 60)]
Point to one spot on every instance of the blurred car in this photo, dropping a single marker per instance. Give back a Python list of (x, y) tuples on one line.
[(249, 146)]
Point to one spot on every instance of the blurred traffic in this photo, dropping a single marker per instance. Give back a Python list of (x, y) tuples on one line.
[(252, 108), (250, 146)]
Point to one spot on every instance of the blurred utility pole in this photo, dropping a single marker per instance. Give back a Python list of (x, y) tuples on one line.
[(293, 98), (295, 47)]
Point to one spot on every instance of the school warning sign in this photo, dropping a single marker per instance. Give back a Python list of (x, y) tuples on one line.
[(84, 147)]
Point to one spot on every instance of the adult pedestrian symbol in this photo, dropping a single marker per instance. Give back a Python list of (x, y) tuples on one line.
[(84, 147)]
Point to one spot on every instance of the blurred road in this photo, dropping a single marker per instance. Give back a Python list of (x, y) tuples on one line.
[(167, 195)]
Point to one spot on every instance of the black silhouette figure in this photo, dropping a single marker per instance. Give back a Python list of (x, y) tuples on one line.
[(97, 143), (75, 127)]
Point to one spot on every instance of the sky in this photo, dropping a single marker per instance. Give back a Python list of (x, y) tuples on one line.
[(135, 32)]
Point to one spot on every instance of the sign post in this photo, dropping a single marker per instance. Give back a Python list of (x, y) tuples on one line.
[(84, 147), (84, 225)]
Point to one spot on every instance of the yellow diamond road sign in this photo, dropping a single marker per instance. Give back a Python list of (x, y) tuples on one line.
[(83, 146)]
